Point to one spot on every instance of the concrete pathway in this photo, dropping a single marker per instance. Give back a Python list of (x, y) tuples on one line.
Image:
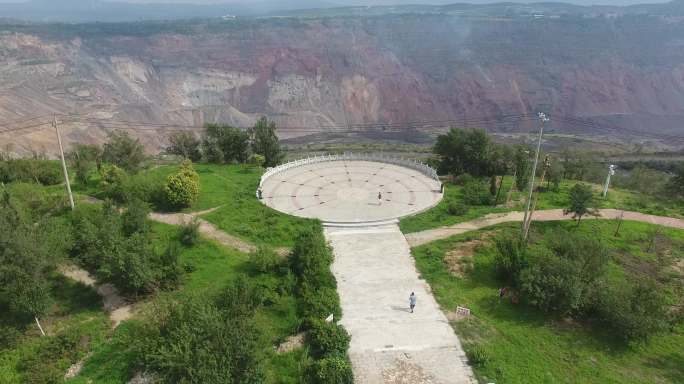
[(375, 274), (424, 237)]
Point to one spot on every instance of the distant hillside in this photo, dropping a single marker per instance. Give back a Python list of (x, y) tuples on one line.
[(314, 73)]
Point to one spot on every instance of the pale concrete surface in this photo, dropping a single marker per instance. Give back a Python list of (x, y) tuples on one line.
[(424, 237), (347, 191), (375, 274)]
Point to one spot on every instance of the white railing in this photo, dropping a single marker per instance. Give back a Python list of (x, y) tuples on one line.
[(407, 163)]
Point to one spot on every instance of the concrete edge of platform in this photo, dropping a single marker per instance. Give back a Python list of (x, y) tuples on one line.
[(355, 224)]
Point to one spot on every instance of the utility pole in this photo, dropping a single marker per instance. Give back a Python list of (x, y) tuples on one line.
[(611, 172), (64, 167), (542, 119)]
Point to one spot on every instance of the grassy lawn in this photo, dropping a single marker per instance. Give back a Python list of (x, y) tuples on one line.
[(231, 189), (619, 199), (527, 346)]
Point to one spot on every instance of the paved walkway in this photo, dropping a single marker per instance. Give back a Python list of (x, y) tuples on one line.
[(375, 274), (424, 237)]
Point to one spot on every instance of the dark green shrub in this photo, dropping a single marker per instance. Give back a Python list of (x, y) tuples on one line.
[(199, 340), (477, 193), (634, 311), (265, 260), (328, 339), (457, 208), (189, 233), (134, 218), (478, 355), (563, 272), (510, 257), (124, 151), (332, 370), (9, 337), (45, 172), (310, 261), (54, 355), (320, 303)]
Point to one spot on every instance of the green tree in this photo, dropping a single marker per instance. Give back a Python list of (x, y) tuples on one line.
[(124, 151), (182, 187), (184, 144), (464, 151), (554, 175), (581, 202), (28, 254), (265, 142), (675, 186), (522, 168), (84, 158), (225, 144)]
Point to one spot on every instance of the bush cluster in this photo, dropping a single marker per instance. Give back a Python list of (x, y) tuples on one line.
[(476, 192), (45, 172), (117, 248), (202, 340), (53, 356), (567, 274), (316, 287)]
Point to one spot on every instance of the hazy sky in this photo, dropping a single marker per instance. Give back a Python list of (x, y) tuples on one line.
[(380, 2)]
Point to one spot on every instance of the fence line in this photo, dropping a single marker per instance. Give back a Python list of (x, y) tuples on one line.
[(407, 163)]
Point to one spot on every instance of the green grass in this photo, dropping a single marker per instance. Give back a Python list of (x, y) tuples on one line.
[(526, 346), (232, 190), (617, 198)]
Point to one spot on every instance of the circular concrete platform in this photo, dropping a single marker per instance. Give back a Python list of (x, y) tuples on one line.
[(346, 191)]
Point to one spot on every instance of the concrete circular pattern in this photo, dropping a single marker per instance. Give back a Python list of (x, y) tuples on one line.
[(350, 191)]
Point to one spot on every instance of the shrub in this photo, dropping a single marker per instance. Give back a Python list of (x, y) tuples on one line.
[(456, 208), (134, 218), (310, 261), (199, 340), (123, 151), (510, 257), (184, 144), (45, 172), (332, 370), (635, 311), (563, 272), (119, 256), (477, 193), (318, 304), (9, 337), (478, 355), (225, 144), (328, 339), (188, 233), (182, 188), (265, 260), (112, 180)]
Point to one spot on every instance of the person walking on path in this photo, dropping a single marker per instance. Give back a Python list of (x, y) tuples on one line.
[(379, 198), (412, 301)]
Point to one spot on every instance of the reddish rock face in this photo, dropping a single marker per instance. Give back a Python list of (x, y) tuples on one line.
[(321, 75)]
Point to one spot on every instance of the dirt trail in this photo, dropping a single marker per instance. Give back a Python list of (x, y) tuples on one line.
[(424, 237), (112, 302), (210, 230)]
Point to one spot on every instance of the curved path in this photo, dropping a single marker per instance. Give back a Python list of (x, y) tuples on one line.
[(427, 236)]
